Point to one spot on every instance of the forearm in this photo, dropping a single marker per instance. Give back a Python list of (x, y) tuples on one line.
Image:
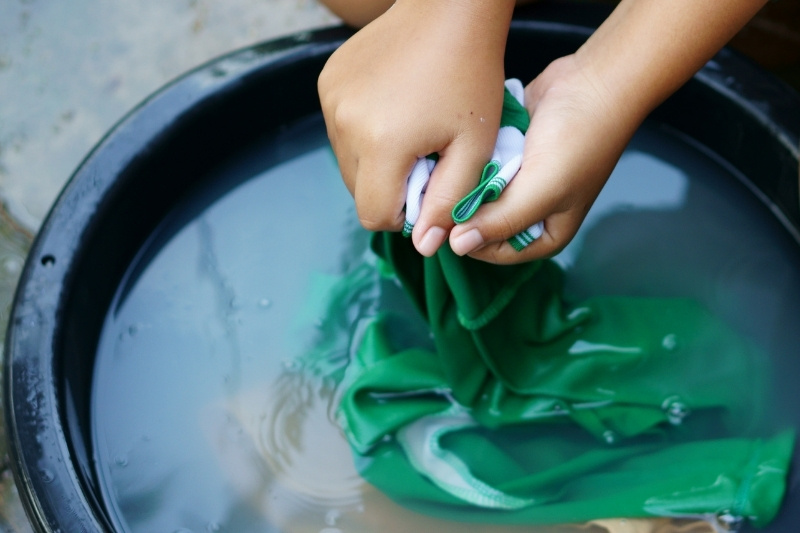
[(357, 13), (647, 49)]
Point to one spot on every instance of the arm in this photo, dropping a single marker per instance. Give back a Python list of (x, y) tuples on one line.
[(585, 108), (426, 76), (358, 13)]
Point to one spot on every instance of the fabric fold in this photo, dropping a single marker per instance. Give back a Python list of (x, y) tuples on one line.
[(529, 408)]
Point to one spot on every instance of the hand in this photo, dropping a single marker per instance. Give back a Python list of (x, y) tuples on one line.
[(576, 135), (584, 110), (426, 76)]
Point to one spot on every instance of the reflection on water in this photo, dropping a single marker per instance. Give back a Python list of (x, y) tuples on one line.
[(210, 415)]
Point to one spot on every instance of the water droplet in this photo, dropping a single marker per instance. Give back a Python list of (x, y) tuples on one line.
[(46, 475), (213, 527), (609, 436), (12, 265), (675, 409), (670, 342), (483, 119), (264, 303), (133, 329), (729, 522), (121, 460), (331, 517)]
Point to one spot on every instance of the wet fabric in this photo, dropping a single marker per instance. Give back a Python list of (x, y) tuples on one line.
[(497, 174), (531, 410)]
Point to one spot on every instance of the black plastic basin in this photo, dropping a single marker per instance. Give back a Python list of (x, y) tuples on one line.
[(159, 153)]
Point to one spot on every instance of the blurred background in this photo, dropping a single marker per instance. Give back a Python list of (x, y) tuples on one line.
[(70, 70)]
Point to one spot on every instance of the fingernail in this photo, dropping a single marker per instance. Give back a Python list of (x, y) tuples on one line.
[(466, 242), (431, 241)]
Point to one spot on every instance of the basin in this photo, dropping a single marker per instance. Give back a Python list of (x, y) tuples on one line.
[(163, 171)]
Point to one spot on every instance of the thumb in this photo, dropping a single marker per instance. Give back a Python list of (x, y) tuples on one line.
[(529, 199), (456, 173)]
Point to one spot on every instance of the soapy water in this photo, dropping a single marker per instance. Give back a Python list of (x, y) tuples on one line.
[(208, 414)]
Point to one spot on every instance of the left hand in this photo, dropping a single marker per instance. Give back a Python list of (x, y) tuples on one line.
[(576, 135)]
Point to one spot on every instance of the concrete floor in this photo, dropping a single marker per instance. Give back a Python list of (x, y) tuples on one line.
[(70, 70)]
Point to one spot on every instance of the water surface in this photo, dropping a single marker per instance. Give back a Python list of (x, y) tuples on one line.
[(204, 415)]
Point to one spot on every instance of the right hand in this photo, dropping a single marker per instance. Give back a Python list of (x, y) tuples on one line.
[(426, 76)]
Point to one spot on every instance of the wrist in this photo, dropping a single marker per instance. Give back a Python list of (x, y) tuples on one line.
[(646, 50)]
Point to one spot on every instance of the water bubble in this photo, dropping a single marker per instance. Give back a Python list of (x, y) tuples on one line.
[(263, 303), (213, 527), (133, 329), (670, 342), (121, 460), (609, 436), (675, 409)]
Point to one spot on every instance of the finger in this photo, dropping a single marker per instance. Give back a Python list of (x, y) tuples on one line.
[(346, 160), (348, 166), (379, 192), (559, 229), (456, 173), (529, 198)]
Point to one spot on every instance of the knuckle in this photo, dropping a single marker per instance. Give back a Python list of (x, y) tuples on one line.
[(376, 221), (506, 226), (437, 201), (323, 81), (376, 135), (343, 118)]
